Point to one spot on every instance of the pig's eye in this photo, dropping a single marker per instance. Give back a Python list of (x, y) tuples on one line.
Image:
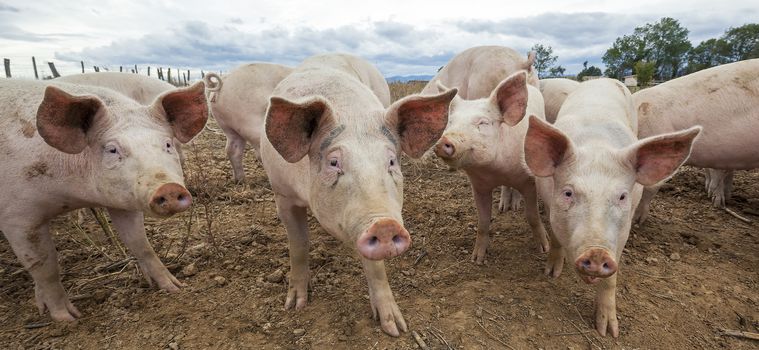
[(111, 149), (568, 193), (333, 162), (622, 196)]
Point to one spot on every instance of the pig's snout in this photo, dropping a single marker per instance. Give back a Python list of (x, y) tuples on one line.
[(445, 148), (385, 238), (170, 199), (595, 263)]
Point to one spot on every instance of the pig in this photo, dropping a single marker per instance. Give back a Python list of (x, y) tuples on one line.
[(555, 91), (330, 145), (239, 108), (140, 88), (590, 171), (476, 72), (65, 146), (484, 138), (723, 100)]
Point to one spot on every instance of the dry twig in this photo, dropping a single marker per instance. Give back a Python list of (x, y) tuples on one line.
[(738, 216), (419, 341), (740, 334)]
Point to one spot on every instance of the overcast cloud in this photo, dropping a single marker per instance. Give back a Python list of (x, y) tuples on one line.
[(401, 37)]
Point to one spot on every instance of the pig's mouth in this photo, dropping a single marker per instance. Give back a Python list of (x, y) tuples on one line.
[(590, 279)]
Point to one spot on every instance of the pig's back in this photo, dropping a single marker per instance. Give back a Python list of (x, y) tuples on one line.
[(724, 100), (356, 67), (140, 88)]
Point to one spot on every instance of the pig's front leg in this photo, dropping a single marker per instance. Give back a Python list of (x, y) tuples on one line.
[(719, 184), (539, 233), (510, 199), (35, 249), (381, 297), (483, 199), (641, 212), (296, 224), (131, 228), (606, 307)]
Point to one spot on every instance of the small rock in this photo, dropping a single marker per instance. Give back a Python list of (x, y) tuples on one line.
[(674, 256), (652, 260), (276, 276), (299, 332), (478, 312), (655, 317), (220, 280), (173, 346), (189, 270), (409, 272)]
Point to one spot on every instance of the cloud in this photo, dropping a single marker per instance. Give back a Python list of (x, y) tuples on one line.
[(8, 8)]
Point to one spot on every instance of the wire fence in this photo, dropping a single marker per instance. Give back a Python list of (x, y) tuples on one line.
[(45, 68)]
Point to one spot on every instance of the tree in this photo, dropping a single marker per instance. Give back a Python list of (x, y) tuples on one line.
[(664, 42), (556, 72), (740, 43), (708, 53), (586, 71), (743, 41), (645, 72), (544, 59)]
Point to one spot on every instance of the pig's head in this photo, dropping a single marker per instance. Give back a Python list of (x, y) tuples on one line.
[(128, 149), (475, 127), (356, 187), (592, 199)]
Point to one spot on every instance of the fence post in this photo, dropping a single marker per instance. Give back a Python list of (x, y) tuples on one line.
[(96, 68), (34, 64), (184, 77), (82, 62), (202, 74), (148, 70), (53, 70), (160, 73), (188, 75), (121, 69), (169, 75), (7, 63), (135, 70)]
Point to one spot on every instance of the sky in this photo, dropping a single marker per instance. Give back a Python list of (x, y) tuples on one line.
[(401, 37)]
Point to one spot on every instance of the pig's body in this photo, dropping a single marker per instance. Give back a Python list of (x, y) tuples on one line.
[(723, 100), (330, 145), (485, 139), (476, 72), (140, 88), (238, 103), (66, 146), (589, 169), (555, 91)]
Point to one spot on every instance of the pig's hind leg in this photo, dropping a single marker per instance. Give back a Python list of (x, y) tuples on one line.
[(296, 223)]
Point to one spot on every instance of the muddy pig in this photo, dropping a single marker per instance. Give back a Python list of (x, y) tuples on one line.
[(64, 147)]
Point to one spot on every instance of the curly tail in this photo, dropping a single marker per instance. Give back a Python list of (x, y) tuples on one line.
[(213, 85)]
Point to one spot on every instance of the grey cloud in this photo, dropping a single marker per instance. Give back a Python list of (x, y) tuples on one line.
[(8, 8)]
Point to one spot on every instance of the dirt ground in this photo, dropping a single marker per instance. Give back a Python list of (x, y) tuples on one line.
[(688, 273)]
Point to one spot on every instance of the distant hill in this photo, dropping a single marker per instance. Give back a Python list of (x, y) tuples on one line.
[(407, 78)]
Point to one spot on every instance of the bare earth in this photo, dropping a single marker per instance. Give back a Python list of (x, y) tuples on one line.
[(690, 272)]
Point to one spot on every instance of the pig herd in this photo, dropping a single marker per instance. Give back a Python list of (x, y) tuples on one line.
[(330, 141)]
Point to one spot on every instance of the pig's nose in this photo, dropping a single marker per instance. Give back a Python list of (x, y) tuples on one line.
[(445, 148), (596, 262), (385, 238), (170, 199)]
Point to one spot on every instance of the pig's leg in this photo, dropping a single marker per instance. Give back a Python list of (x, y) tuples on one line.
[(641, 212), (35, 249), (533, 218), (719, 186), (131, 229), (235, 151), (708, 181), (381, 297), (483, 199), (510, 199), (606, 307), (296, 224), (729, 174)]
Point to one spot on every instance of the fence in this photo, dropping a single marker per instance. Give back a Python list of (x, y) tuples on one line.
[(20, 67)]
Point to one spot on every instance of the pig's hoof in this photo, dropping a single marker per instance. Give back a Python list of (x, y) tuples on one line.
[(718, 200), (478, 256), (606, 320), (297, 297), (544, 246), (390, 317), (166, 281)]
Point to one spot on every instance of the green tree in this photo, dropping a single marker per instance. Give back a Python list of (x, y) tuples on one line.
[(664, 42), (544, 59), (557, 71), (586, 71), (645, 72), (743, 41), (708, 53)]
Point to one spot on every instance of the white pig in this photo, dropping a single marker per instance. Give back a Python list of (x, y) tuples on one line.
[(555, 91), (484, 138), (140, 88), (723, 100), (66, 146), (590, 171), (239, 108), (476, 72), (330, 145)]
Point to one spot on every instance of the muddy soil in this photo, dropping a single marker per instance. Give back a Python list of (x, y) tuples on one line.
[(688, 273)]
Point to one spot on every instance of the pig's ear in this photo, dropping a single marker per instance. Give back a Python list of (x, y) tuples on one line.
[(291, 125), (63, 120), (185, 109), (510, 96), (545, 147), (656, 158), (420, 120)]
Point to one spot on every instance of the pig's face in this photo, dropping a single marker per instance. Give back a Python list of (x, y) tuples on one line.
[(595, 187), (129, 149), (475, 127), (356, 185)]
